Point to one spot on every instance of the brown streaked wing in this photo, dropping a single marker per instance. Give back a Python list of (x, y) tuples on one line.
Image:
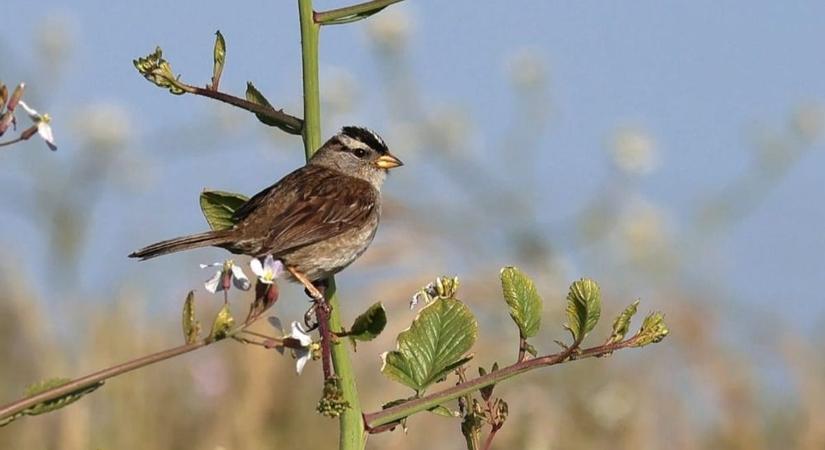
[(333, 204)]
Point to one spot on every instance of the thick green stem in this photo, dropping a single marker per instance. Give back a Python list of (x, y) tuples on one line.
[(351, 424), (309, 62)]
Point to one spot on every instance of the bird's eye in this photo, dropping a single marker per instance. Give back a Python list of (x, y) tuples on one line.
[(360, 152)]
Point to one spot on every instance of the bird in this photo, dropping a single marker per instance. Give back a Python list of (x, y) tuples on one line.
[(316, 220)]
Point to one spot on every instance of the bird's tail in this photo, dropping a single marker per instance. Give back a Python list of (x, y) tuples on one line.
[(183, 243)]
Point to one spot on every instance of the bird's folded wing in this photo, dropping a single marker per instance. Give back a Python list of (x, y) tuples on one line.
[(307, 206)]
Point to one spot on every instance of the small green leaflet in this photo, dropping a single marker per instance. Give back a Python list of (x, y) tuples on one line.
[(219, 58), (369, 324), (191, 326), (622, 323), (219, 206), (583, 308), (51, 405), (523, 299), (222, 324)]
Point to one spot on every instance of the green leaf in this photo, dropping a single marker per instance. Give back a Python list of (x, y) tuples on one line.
[(219, 57), (222, 324), (255, 96), (433, 346), (653, 330), (622, 323), (191, 326), (369, 324), (524, 301), (219, 206), (51, 405), (443, 411), (583, 308), (158, 71)]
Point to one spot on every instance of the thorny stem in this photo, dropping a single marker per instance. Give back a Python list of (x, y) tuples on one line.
[(380, 418), (15, 407)]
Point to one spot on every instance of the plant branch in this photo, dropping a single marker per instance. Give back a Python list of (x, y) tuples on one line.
[(288, 123), (13, 141), (351, 428), (352, 13), (398, 412), (17, 406), (522, 347)]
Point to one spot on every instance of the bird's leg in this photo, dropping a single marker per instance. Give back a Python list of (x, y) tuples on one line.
[(310, 320), (310, 288), (321, 307)]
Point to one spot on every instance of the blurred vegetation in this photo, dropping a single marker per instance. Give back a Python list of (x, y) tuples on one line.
[(707, 388)]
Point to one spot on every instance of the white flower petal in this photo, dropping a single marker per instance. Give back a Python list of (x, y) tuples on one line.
[(300, 335), (239, 278), (241, 283), (256, 267), (45, 132), (303, 356), (278, 269), (214, 284), (269, 264), (34, 115)]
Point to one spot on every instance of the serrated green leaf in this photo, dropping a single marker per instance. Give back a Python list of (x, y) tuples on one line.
[(583, 308), (255, 96), (523, 299), (369, 324), (653, 330), (435, 344), (622, 323), (219, 58), (191, 326), (219, 206), (222, 324), (51, 405)]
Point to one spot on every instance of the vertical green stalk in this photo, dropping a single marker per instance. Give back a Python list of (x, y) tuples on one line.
[(309, 62), (351, 425)]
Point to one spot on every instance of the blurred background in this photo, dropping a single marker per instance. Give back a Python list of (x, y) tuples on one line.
[(671, 151)]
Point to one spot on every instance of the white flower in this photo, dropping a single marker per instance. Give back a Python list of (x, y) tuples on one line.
[(269, 271), (43, 127), (634, 151), (227, 269), (302, 353)]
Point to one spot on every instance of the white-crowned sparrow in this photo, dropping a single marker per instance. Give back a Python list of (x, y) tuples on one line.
[(316, 220)]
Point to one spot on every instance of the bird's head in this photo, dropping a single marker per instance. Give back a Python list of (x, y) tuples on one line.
[(357, 152)]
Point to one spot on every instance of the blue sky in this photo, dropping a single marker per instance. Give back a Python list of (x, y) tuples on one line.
[(700, 77)]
